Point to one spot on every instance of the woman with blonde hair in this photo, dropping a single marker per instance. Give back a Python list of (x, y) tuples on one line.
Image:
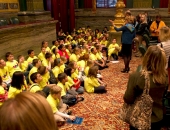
[(164, 36), (27, 111), (154, 62), (128, 34)]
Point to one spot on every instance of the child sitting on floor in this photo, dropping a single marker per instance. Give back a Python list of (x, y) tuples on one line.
[(68, 99), (73, 84), (113, 50), (58, 107), (92, 84)]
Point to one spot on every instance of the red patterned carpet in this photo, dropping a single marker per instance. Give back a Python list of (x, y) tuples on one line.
[(101, 111)]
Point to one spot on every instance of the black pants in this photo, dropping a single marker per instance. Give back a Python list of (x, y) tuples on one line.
[(100, 89), (154, 126)]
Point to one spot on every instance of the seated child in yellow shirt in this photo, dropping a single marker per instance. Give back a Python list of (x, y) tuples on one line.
[(56, 70), (113, 50), (92, 84), (57, 106), (24, 66), (31, 57), (73, 84), (36, 79), (45, 77), (67, 98), (17, 84)]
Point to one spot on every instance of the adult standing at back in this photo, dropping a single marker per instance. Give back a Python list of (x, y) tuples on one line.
[(156, 26), (128, 34)]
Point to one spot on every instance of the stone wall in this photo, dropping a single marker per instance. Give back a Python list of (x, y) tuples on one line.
[(20, 38)]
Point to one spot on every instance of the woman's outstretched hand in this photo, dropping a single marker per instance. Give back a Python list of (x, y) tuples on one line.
[(111, 21)]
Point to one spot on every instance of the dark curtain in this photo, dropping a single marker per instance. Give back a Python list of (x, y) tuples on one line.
[(87, 3), (55, 12), (59, 11), (163, 4), (64, 21), (72, 16)]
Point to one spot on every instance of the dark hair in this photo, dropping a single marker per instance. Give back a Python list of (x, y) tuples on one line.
[(71, 64), (92, 49), (42, 70), (7, 55), (158, 16), (67, 70), (33, 77), (61, 46), (48, 55), (43, 42), (29, 51), (35, 61), (53, 42), (93, 71), (57, 61), (19, 57), (17, 80), (42, 93), (0, 80), (61, 76), (54, 49)]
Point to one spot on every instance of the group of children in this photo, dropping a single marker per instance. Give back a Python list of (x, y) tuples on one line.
[(61, 73)]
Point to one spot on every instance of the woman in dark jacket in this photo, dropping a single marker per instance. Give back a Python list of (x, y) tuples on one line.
[(154, 61), (128, 34)]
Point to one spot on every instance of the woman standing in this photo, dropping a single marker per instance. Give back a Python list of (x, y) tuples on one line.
[(154, 61), (128, 34)]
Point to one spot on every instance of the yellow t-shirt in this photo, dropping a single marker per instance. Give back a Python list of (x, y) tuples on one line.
[(113, 46), (90, 83), (68, 52), (54, 46), (30, 59), (73, 57), (104, 42), (74, 42), (34, 88), (13, 92), (2, 92), (12, 67), (45, 62), (56, 71), (63, 87), (93, 57), (44, 82), (81, 64), (54, 56), (89, 38), (24, 66), (47, 50), (53, 103), (98, 55), (86, 70), (74, 75), (70, 82), (5, 75), (41, 56), (33, 70), (62, 67)]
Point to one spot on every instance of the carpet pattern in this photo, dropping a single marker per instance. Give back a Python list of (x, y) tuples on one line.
[(101, 111)]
